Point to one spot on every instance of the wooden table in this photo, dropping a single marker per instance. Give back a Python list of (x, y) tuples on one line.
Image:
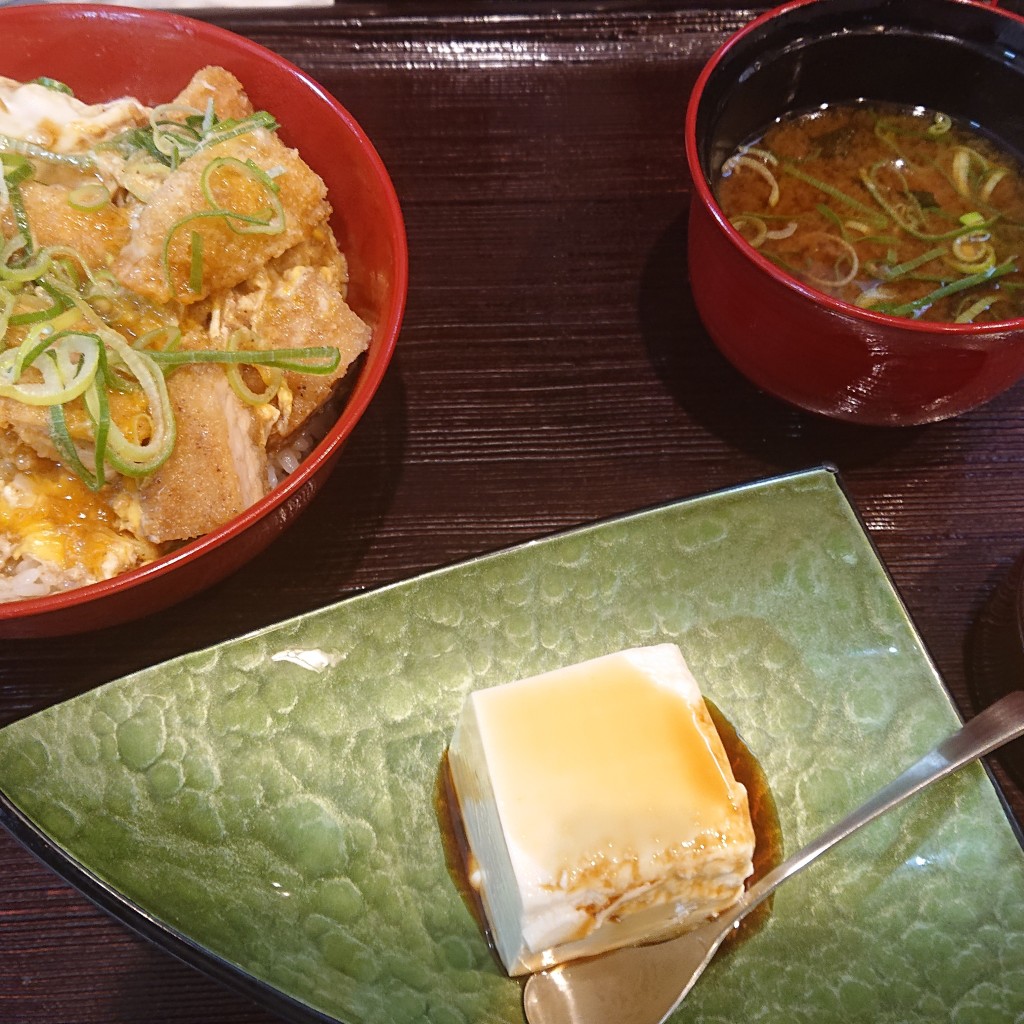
[(552, 371)]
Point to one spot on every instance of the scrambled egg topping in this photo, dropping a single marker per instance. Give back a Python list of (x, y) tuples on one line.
[(57, 520)]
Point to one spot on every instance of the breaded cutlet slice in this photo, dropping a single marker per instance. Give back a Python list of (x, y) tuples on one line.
[(218, 467), (227, 93), (296, 301), (158, 261)]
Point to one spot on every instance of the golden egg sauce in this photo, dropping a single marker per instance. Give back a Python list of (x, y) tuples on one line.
[(898, 210), (56, 517)]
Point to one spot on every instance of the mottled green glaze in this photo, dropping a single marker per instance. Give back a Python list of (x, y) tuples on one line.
[(273, 798)]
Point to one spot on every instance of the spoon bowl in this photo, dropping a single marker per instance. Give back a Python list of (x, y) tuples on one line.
[(645, 984)]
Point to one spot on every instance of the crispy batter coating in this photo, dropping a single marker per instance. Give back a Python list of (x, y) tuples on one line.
[(96, 235), (229, 98), (230, 256), (297, 301), (218, 467)]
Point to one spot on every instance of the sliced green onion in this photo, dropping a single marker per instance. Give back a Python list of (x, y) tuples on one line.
[(172, 134), (830, 190), (143, 174), (784, 232), (97, 405), (26, 272), (986, 302), (873, 297), (899, 215), (6, 308), (195, 271), (846, 252), (266, 177), (829, 214), (11, 145), (11, 246), (62, 441), (128, 457), (963, 283), (760, 229), (317, 359), (737, 162), (66, 362), (989, 184), (272, 223), (51, 83), (172, 336), (89, 198), (765, 154), (273, 377), (209, 117), (972, 253), (901, 269), (17, 169), (45, 315), (177, 133), (964, 159), (222, 131)]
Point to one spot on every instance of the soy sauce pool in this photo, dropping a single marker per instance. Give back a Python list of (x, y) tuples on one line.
[(899, 210)]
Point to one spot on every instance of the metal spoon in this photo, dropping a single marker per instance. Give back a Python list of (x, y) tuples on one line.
[(645, 984)]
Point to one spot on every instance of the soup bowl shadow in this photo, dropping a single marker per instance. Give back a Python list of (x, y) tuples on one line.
[(816, 352)]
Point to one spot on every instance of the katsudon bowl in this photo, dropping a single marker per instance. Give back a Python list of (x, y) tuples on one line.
[(103, 53), (796, 342)]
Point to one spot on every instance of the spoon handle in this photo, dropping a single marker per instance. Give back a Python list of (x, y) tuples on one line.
[(999, 723)]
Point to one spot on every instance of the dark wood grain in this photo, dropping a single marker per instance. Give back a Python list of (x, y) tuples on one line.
[(552, 371)]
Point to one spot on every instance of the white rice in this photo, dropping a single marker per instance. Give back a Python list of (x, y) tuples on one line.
[(283, 461), (23, 578)]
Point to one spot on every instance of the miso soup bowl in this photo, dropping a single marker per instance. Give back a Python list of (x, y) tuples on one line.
[(814, 351)]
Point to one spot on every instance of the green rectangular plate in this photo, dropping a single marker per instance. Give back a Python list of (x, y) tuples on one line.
[(267, 807)]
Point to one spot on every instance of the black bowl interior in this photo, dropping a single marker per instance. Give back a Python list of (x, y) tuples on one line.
[(963, 59)]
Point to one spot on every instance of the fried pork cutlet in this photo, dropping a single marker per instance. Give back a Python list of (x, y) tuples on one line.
[(297, 301), (95, 236), (232, 246), (218, 467), (220, 86), (157, 262)]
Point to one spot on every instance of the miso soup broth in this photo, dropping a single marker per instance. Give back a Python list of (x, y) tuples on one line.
[(899, 210)]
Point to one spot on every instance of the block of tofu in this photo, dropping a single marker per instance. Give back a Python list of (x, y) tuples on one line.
[(599, 807)]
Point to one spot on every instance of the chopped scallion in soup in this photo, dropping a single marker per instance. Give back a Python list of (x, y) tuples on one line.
[(898, 210)]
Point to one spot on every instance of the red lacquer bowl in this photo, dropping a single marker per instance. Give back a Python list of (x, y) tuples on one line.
[(816, 352), (106, 52)]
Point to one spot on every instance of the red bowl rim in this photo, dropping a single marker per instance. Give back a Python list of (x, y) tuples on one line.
[(975, 332), (369, 376)]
